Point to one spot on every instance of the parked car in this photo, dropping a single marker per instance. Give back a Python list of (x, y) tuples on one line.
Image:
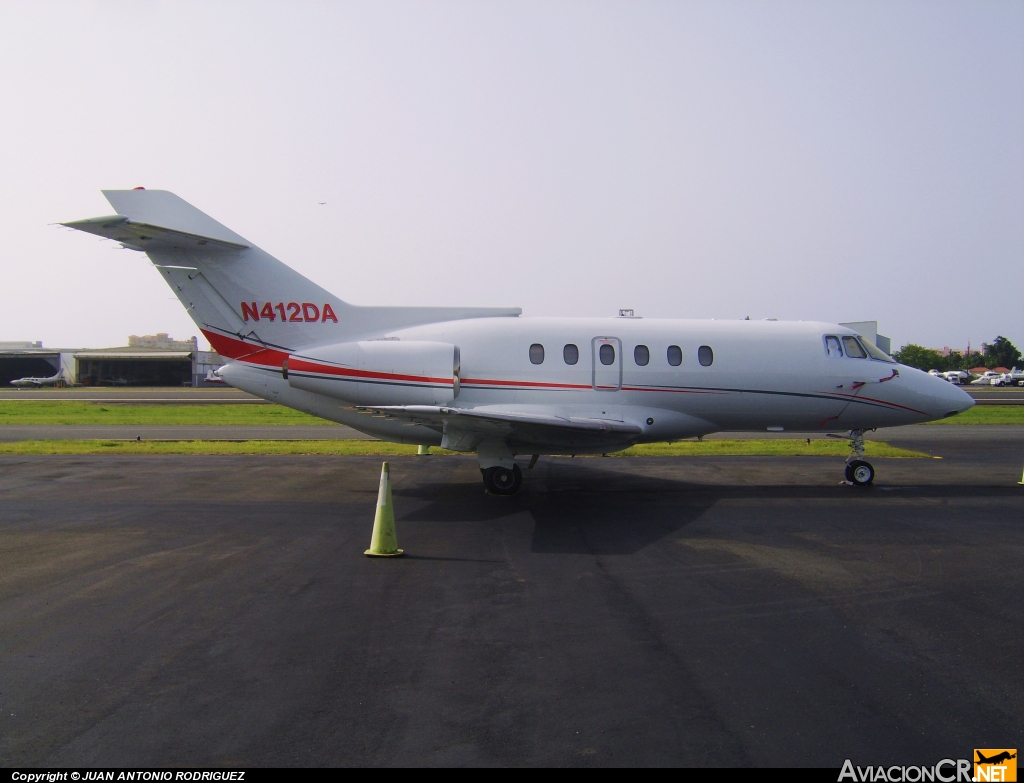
[(958, 377)]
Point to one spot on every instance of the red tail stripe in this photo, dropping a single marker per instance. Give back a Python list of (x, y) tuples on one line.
[(234, 348)]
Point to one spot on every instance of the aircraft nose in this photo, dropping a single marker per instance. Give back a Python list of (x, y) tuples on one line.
[(949, 398)]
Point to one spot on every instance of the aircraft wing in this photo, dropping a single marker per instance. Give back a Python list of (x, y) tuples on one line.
[(520, 426), (146, 236)]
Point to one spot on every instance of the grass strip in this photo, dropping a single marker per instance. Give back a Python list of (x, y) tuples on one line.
[(987, 414), (709, 448), (31, 412)]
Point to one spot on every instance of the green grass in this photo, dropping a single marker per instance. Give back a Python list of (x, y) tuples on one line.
[(341, 447), (987, 414), (709, 448), (68, 412), (73, 412)]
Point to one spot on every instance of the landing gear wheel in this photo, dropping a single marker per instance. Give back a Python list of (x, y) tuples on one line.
[(503, 481), (859, 473)]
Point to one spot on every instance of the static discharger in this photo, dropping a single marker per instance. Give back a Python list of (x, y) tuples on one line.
[(384, 541)]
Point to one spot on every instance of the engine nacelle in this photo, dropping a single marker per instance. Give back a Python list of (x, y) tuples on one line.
[(379, 372)]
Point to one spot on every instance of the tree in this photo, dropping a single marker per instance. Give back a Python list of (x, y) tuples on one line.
[(1001, 353), (920, 357)]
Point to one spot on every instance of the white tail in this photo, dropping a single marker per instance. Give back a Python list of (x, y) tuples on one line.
[(242, 298)]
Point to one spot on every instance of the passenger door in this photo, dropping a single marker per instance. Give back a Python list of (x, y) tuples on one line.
[(606, 355)]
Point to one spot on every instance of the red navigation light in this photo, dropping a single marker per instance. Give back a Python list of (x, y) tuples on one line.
[(139, 188)]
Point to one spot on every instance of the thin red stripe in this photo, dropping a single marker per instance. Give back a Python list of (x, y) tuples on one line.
[(852, 397), (493, 382), (298, 365)]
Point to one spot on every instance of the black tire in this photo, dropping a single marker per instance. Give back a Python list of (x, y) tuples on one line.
[(503, 481), (860, 473)]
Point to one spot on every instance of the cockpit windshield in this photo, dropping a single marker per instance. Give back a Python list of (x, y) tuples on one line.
[(853, 348), (876, 352)]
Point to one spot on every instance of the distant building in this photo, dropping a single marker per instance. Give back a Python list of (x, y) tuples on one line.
[(16, 345), (162, 341), (869, 331)]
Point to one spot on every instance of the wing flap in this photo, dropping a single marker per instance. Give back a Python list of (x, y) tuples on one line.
[(520, 426)]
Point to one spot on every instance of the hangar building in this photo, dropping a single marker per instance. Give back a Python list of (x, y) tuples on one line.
[(151, 360), (31, 360)]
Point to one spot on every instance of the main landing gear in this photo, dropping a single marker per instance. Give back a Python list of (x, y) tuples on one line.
[(502, 481), (858, 471)]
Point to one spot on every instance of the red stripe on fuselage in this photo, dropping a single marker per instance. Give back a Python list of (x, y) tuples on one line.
[(856, 397), (303, 365), (673, 391), (534, 384)]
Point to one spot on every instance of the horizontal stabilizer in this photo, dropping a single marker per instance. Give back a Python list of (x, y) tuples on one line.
[(146, 236)]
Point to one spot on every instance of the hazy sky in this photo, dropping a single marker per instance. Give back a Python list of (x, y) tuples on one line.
[(805, 160)]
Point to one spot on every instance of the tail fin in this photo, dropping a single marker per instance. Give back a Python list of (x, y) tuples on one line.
[(243, 299)]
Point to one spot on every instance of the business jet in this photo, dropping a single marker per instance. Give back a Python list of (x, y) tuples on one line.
[(490, 382), (39, 381)]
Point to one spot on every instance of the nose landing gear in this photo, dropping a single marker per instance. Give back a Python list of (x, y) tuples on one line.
[(502, 481), (858, 472)]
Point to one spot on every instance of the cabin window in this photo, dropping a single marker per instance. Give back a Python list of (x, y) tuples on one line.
[(675, 355), (537, 353), (705, 356), (832, 347), (607, 354), (641, 355), (571, 354), (853, 348)]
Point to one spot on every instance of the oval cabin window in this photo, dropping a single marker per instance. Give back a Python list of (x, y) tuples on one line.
[(607, 354), (537, 353), (705, 356), (675, 355), (641, 355), (571, 354)]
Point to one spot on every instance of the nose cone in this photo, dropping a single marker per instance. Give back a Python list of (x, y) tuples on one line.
[(946, 398)]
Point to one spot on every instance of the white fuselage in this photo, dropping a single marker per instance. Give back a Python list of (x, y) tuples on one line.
[(37, 381), (764, 375)]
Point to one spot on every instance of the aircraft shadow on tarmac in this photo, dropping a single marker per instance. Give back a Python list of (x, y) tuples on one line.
[(593, 511), (574, 513)]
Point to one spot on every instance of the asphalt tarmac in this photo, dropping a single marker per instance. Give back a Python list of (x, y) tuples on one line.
[(9, 433), (723, 611)]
